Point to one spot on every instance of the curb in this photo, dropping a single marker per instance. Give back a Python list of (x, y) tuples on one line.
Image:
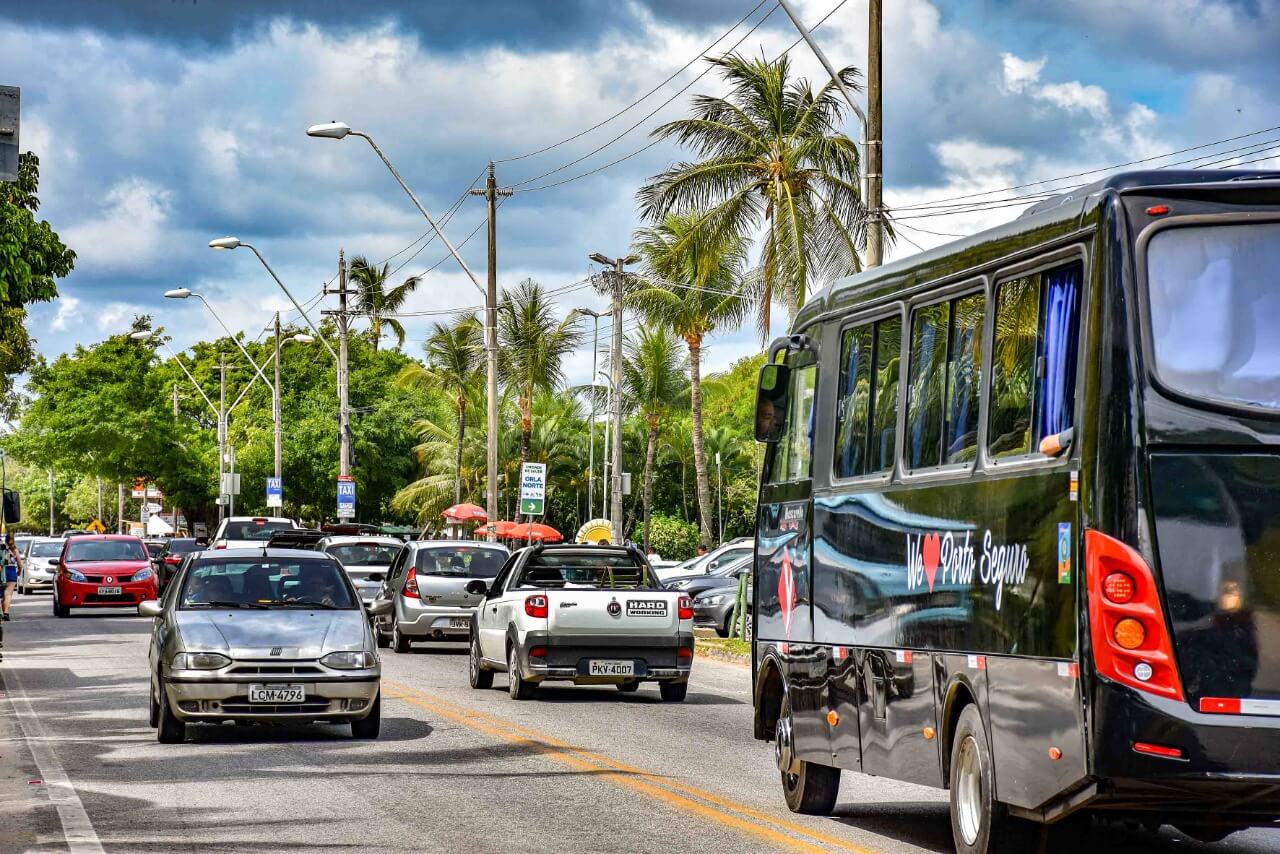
[(715, 652)]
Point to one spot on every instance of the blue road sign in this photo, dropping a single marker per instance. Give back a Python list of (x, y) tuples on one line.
[(275, 492), (346, 499)]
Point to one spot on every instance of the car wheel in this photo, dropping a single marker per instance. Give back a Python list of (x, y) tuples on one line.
[(170, 729), (58, 610), (481, 677), (153, 708), (22, 590), (979, 823), (808, 788), (518, 687), (380, 637), (399, 642), (673, 692), (367, 728), (628, 687)]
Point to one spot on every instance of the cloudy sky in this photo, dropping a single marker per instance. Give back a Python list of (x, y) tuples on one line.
[(163, 123)]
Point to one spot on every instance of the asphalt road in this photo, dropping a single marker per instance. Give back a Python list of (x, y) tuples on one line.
[(575, 770)]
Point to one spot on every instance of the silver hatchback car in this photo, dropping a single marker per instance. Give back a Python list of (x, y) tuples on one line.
[(427, 589), (264, 635)]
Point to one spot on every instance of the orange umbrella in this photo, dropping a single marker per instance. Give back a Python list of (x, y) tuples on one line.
[(504, 529), (534, 531), (465, 513)]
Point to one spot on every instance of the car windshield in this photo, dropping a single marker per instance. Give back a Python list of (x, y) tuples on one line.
[(365, 554), (46, 549), (1215, 306), (461, 561), (266, 584), (84, 550), (254, 529), (585, 569)]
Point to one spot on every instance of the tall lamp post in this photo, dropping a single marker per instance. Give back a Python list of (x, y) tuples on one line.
[(341, 130), (591, 443), (615, 369)]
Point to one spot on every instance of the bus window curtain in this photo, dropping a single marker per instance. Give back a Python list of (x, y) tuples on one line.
[(1061, 333)]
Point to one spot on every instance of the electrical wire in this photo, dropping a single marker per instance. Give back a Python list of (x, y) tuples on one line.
[(643, 97)]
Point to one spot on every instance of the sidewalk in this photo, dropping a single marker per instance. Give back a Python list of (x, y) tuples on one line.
[(28, 821)]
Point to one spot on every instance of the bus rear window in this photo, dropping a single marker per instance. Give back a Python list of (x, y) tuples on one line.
[(1214, 296)]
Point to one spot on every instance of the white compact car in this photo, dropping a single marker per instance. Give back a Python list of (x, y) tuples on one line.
[(40, 564), (591, 615), (248, 532)]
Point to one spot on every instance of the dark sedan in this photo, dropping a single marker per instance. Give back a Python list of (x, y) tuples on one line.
[(721, 575), (713, 608)]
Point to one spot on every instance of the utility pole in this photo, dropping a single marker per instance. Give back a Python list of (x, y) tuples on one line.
[(275, 400), (222, 433), (120, 507), (615, 374), (344, 413), (51, 502), (491, 192), (591, 431), (175, 399), (872, 142), (99, 499)]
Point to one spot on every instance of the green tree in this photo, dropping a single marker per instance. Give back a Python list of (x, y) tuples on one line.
[(653, 381), (31, 258), (674, 538), (694, 287), (454, 368), (375, 299), (534, 345), (771, 160)]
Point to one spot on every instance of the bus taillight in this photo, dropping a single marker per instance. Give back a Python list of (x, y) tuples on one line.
[(1131, 641)]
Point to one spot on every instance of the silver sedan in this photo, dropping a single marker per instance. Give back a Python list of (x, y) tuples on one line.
[(274, 635)]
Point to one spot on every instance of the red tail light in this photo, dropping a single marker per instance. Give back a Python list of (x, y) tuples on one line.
[(684, 655), (685, 608), (173, 559), (537, 652), (221, 545), (1157, 750), (1123, 651), (536, 606), (411, 585)]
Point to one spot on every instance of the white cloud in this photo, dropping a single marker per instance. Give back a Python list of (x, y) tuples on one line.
[(1019, 74), (1022, 76), (129, 231), (68, 310), (112, 317)]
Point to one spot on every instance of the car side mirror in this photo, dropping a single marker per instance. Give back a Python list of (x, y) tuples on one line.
[(476, 587), (150, 608), (771, 401), (202, 541), (377, 577), (379, 607)]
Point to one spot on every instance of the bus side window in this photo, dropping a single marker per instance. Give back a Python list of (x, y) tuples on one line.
[(791, 453), (942, 405), (1034, 359), (867, 410)]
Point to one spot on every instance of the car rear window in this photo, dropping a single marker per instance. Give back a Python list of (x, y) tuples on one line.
[(84, 550), (460, 561), (182, 547), (255, 529), (266, 584), (365, 554), (585, 569)]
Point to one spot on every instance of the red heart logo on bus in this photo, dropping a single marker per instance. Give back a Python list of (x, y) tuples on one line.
[(930, 551), (786, 591)]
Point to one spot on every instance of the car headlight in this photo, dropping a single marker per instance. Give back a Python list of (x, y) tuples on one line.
[(76, 576), (349, 660), (200, 661), (142, 575), (713, 600)]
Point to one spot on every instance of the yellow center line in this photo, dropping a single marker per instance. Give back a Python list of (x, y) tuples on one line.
[(660, 788)]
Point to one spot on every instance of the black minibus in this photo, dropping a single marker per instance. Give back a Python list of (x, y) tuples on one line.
[(1019, 518)]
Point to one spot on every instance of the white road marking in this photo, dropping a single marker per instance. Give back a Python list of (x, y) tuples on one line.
[(77, 829)]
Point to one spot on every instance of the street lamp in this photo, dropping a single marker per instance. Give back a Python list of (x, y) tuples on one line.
[(341, 130), (591, 444)]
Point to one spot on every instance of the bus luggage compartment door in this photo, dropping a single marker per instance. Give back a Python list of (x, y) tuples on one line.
[(895, 710)]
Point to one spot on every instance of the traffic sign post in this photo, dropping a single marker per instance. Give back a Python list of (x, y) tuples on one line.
[(275, 492), (10, 113), (533, 489), (346, 497)]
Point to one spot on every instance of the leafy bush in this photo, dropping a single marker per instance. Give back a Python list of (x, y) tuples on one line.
[(675, 539)]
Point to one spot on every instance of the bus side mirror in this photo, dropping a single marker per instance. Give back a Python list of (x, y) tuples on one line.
[(771, 402)]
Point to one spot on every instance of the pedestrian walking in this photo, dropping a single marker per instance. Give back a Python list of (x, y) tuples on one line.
[(12, 566)]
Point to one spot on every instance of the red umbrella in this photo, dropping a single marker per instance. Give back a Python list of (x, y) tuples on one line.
[(465, 513), (503, 529), (534, 531)]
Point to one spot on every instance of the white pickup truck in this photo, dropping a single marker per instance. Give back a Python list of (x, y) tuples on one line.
[(592, 615)]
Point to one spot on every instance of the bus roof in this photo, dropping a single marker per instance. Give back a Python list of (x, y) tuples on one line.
[(1041, 222)]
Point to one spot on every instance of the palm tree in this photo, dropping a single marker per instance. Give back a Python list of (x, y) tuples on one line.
[(653, 380), (694, 287), (373, 298), (677, 447), (772, 157), (454, 368), (534, 344)]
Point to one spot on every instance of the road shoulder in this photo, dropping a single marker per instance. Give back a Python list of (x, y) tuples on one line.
[(28, 820)]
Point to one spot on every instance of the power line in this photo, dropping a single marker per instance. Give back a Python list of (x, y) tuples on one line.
[(643, 97)]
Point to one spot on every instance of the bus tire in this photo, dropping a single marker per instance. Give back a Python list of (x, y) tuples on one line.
[(979, 823), (809, 789)]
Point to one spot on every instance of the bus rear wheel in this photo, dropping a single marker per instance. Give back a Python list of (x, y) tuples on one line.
[(979, 823), (808, 788)]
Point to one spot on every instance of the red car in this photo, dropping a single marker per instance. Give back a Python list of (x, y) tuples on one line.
[(108, 571)]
